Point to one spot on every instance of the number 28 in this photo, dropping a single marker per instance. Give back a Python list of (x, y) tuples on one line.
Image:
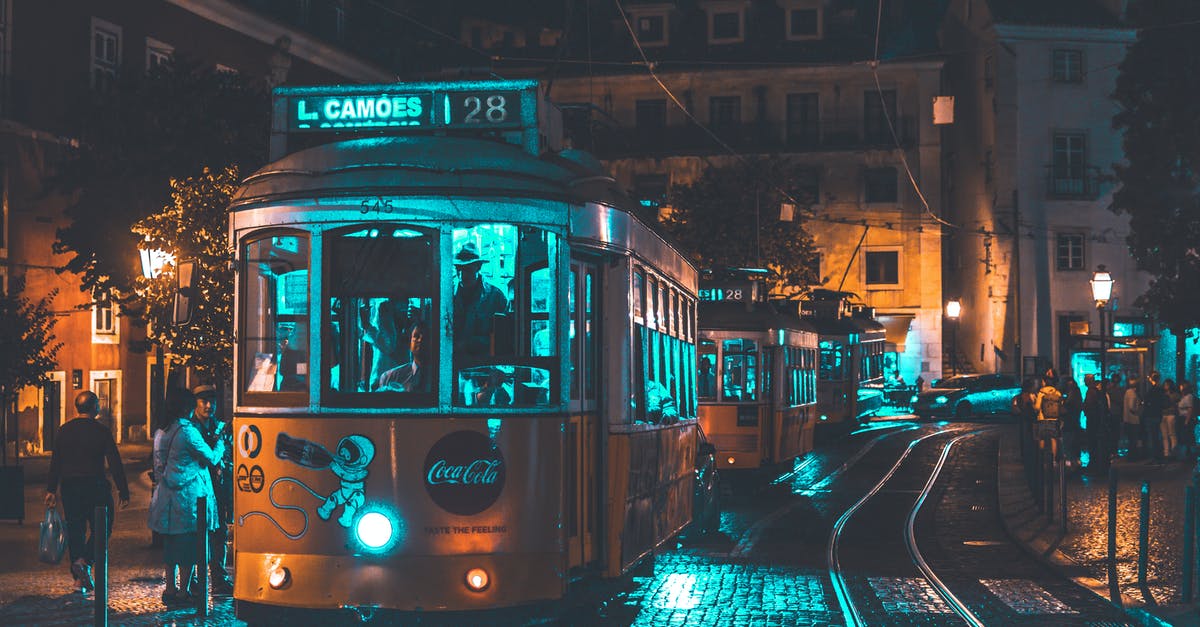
[(493, 109)]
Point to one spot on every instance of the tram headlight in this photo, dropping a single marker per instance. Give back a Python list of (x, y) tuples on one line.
[(279, 578), (731, 460), (478, 580), (374, 530), (913, 399)]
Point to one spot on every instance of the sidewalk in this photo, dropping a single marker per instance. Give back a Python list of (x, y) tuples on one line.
[(1081, 553)]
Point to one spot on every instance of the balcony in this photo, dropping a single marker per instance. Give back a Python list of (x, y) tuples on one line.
[(1072, 183), (753, 137)]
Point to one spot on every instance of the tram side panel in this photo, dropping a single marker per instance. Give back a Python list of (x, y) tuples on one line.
[(393, 513)]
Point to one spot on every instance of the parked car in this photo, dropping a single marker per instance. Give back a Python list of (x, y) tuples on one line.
[(967, 395), (706, 495)]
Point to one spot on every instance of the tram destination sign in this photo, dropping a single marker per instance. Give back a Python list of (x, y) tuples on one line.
[(736, 292), (406, 107)]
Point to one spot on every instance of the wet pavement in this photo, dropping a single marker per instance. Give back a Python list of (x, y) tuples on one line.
[(896, 524)]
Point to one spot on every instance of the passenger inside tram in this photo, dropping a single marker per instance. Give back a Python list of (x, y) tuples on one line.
[(412, 376), (476, 305)]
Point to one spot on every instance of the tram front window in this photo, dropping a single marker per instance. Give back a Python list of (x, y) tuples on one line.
[(274, 341), (381, 293), (505, 343), (739, 369), (706, 380)]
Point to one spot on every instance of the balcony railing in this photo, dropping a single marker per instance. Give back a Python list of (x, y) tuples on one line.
[(1072, 183), (748, 137)]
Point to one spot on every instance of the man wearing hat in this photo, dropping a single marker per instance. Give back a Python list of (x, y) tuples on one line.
[(222, 481), (476, 303)]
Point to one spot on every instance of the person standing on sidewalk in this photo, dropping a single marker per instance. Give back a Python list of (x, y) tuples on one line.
[(1049, 406), (1170, 411), (81, 447), (1186, 417), (1116, 400), (1131, 417), (222, 480), (1154, 402), (1072, 430), (1095, 407)]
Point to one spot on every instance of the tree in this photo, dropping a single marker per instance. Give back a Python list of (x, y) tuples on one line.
[(194, 225), (1158, 92), (27, 347), (169, 124), (730, 217)]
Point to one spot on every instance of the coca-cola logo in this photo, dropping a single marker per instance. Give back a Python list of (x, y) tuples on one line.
[(464, 473)]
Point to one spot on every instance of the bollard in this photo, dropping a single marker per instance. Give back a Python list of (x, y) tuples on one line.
[(1189, 541), (100, 565), (1143, 534), (202, 556), (1114, 585)]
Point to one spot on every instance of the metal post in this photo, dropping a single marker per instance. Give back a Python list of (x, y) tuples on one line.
[(100, 565), (1114, 586), (1143, 534), (202, 556), (1062, 487), (1103, 341), (1048, 476), (1189, 542)]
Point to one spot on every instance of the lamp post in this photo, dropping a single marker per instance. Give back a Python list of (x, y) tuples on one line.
[(1102, 285), (953, 311), (153, 260)]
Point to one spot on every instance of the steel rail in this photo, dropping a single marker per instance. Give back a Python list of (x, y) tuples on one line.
[(914, 552), (849, 611)]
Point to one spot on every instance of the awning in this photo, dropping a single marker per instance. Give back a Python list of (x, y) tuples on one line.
[(895, 328)]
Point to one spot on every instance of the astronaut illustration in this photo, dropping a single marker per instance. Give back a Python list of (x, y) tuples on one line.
[(354, 453)]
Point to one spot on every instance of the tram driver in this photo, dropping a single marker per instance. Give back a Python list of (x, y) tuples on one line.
[(476, 305)]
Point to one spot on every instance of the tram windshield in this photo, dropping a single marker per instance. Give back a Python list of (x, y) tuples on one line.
[(739, 369), (275, 337)]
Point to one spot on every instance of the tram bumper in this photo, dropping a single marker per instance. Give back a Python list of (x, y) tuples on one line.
[(410, 583)]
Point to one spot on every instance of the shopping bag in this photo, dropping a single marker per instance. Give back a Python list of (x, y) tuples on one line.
[(53, 538)]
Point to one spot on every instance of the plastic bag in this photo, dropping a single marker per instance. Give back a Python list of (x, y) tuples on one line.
[(53, 538)]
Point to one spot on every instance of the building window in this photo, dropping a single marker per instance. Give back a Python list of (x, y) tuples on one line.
[(651, 28), (724, 111), (650, 190), (803, 119), (724, 26), (804, 23), (883, 268), (106, 54), (157, 53), (807, 187), (104, 321), (814, 266), (107, 386), (878, 108), (1068, 66), (880, 185), (1069, 251), (1069, 165), (650, 116)]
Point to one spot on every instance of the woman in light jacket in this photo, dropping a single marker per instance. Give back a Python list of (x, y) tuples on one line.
[(182, 458)]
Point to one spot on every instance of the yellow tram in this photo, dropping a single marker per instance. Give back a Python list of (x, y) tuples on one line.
[(850, 368), (756, 378), (464, 371)]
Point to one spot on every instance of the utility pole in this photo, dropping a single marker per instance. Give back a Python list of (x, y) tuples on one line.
[(1016, 283)]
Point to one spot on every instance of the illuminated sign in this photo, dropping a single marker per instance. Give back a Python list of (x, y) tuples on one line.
[(404, 109), (733, 293)]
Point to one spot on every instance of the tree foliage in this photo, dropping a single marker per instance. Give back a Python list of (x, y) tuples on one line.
[(171, 123), (27, 344), (194, 225), (1158, 92), (730, 217)]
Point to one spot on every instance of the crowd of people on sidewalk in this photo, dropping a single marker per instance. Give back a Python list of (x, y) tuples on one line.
[(192, 458), (1155, 420)]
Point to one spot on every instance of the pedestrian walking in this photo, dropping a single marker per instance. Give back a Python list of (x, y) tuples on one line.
[(1049, 406), (1185, 411), (1095, 408), (1116, 399), (182, 459), (77, 468), (1131, 417), (1154, 402), (1072, 430), (209, 419), (1170, 418)]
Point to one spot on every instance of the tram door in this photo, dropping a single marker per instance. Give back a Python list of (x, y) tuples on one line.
[(582, 456)]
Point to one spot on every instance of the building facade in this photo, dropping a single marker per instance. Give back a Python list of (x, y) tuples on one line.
[(801, 81), (50, 52), (1025, 167)]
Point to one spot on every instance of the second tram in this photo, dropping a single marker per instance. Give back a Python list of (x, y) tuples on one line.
[(464, 371), (756, 380), (850, 372)]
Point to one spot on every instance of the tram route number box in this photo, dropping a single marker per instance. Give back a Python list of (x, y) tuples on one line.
[(511, 111)]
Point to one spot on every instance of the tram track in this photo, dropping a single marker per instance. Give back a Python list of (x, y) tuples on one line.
[(850, 610)]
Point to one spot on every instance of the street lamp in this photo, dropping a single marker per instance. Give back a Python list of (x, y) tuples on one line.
[(153, 260), (953, 311), (1102, 285)]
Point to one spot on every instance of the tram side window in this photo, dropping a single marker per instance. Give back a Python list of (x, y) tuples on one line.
[(739, 370), (832, 366), (274, 341), (504, 308), (706, 378), (380, 335)]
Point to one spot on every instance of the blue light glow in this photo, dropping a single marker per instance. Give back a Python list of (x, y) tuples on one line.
[(941, 400), (406, 233), (377, 529), (677, 593)]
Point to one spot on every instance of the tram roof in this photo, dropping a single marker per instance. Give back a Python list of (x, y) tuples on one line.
[(457, 166), (867, 328), (734, 316)]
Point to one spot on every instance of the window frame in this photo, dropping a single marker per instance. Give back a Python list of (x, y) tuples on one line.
[(648, 12), (722, 10), (869, 185), (898, 251), (730, 103), (156, 49), (1066, 76), (105, 309), (272, 398), (1071, 240), (806, 131), (790, 34), (111, 68)]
